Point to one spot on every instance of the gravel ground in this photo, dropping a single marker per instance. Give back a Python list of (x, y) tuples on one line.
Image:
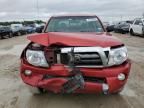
[(14, 94)]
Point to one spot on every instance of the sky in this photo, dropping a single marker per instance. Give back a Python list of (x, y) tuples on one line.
[(42, 9)]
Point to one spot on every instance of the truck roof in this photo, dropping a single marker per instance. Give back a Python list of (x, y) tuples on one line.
[(69, 15)]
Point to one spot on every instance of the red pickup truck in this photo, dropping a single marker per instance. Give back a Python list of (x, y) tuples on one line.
[(74, 54)]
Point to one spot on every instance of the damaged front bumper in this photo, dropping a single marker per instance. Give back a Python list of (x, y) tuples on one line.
[(96, 80)]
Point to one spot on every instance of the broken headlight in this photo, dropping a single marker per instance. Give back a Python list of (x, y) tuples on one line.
[(36, 58), (118, 56)]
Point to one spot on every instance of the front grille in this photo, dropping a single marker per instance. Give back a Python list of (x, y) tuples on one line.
[(94, 79), (83, 59), (86, 78), (85, 56)]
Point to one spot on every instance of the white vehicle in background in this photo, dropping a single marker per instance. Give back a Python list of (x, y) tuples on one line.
[(137, 28), (18, 29)]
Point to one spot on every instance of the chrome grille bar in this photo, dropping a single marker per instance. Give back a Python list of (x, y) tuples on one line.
[(99, 50)]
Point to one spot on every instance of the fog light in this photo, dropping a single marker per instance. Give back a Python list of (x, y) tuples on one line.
[(121, 76), (28, 72)]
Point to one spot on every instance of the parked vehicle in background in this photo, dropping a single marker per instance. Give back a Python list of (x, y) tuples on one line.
[(75, 55), (137, 28), (29, 29), (110, 27), (18, 29), (122, 27), (38, 27), (5, 32)]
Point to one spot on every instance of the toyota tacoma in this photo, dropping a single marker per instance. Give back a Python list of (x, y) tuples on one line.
[(75, 54)]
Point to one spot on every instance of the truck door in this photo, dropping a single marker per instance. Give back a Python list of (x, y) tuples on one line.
[(137, 27)]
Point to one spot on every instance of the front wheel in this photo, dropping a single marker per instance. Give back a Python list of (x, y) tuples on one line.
[(131, 32), (118, 92), (143, 31), (19, 34), (10, 35), (1, 37), (5, 36), (35, 90)]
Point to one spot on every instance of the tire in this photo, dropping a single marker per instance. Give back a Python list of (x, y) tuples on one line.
[(123, 32), (116, 93), (143, 31), (35, 90), (0, 37), (10, 35), (131, 32), (19, 34), (5, 37)]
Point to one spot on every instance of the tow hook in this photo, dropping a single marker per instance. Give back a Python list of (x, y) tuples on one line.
[(105, 88)]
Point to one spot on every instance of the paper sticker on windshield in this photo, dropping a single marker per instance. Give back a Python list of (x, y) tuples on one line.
[(91, 19)]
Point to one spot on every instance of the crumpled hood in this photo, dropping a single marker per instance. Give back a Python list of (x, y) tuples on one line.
[(75, 39)]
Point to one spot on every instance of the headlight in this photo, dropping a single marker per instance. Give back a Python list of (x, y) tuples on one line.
[(36, 58), (118, 56)]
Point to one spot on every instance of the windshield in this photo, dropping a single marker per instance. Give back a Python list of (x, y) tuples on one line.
[(74, 24)]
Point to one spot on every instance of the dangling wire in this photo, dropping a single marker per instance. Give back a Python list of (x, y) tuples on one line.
[(71, 59), (77, 81)]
